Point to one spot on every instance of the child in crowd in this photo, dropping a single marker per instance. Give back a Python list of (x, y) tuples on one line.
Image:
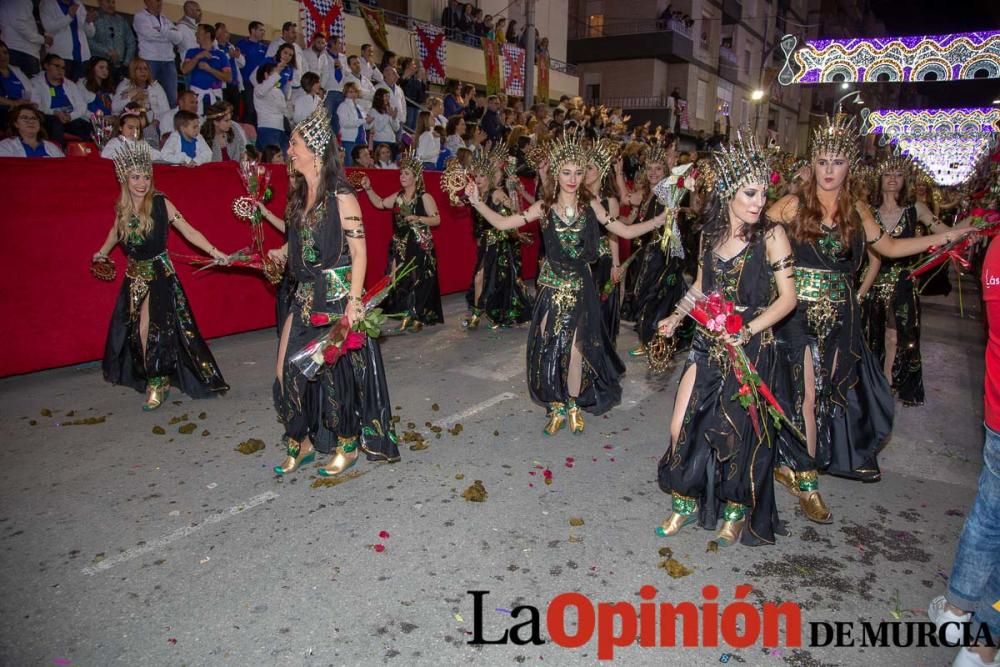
[(272, 155), (361, 156), (383, 155), (186, 145)]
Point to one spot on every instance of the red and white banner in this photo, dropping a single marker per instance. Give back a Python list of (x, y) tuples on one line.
[(433, 51), (513, 70), (325, 16)]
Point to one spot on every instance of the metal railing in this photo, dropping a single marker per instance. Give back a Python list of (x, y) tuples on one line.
[(632, 27), (635, 102), (728, 55)]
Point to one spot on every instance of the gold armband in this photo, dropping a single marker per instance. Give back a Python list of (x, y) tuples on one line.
[(881, 233), (358, 233), (786, 262)]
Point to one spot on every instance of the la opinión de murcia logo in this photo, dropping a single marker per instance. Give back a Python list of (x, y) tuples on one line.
[(572, 620)]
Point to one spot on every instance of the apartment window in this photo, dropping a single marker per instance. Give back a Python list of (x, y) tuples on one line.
[(746, 62), (595, 25), (706, 29), (699, 109)]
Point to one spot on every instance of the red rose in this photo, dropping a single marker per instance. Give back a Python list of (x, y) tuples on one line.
[(733, 324), (331, 354), (977, 212), (319, 319), (355, 340), (680, 182), (775, 178)]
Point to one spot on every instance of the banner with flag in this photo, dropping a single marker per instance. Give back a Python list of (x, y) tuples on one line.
[(375, 22), (542, 92), (325, 16), (513, 70), (433, 51), (491, 52)]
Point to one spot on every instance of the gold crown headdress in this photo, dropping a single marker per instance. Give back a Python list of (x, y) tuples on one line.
[(837, 136), (656, 153), (603, 154), (316, 130), (564, 150), (740, 163), (408, 160), (895, 162), (535, 155), (486, 163), (133, 156)]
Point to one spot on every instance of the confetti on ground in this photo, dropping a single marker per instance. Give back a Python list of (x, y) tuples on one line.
[(460, 476), (435, 407), (458, 617), (250, 446), (212, 485), (712, 547), (383, 534), (158, 430), (204, 433), (178, 420), (456, 429), (86, 421), (172, 641), (576, 521), (202, 415), (675, 569), (475, 493), (187, 429), (45, 412), (379, 548), (666, 552), (334, 481), (548, 476)]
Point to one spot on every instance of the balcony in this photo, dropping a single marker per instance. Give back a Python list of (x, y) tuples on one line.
[(732, 11), (728, 65), (669, 41)]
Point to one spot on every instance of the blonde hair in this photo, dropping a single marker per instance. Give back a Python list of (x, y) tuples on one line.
[(125, 209)]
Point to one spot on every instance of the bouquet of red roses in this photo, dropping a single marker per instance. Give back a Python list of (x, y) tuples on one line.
[(718, 316), (986, 222)]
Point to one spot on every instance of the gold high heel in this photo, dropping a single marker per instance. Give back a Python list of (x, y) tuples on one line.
[(157, 393), (735, 520), (405, 323), (575, 416), (639, 351), (809, 499), (345, 456), (557, 418), (295, 459), (472, 322), (685, 512), (786, 477), (416, 326)]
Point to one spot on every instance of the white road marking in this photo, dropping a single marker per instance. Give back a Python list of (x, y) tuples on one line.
[(499, 367), (474, 409), (164, 540)]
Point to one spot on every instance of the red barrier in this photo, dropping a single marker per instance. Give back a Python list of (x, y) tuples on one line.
[(58, 212)]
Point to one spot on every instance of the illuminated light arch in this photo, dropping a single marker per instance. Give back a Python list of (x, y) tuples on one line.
[(842, 67), (940, 67), (879, 67), (991, 66)]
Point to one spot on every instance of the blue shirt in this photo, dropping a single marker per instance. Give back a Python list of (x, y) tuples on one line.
[(254, 52), (35, 152), (189, 146), (10, 86), (284, 78), (200, 78), (60, 100), (102, 103), (73, 25)]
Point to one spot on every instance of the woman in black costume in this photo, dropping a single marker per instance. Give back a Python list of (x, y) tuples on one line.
[(414, 212), (497, 291), (888, 293), (840, 397), (607, 269), (572, 365), (718, 462), (346, 406), (153, 342)]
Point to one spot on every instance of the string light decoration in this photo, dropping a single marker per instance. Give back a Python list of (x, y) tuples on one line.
[(925, 122), (949, 161), (967, 55)]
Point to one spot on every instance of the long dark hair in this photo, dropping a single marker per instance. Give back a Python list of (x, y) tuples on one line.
[(716, 226), (212, 113), (92, 84), (809, 218), (277, 55), (332, 181), (902, 198), (381, 100)]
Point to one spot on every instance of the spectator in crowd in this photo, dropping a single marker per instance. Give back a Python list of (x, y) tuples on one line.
[(185, 145), (186, 101), (436, 107), (381, 120), (271, 154), (224, 137), (427, 142), (500, 30), (464, 157), (451, 15), (473, 110), (361, 157), (96, 86), (15, 88), (478, 28), (383, 157), (491, 122), (113, 38), (488, 32), (29, 136), (465, 21), (207, 68), (512, 33), (397, 100), (453, 102), (369, 66), (334, 80), (70, 26), (140, 87), (543, 46), (455, 132), (388, 58), (288, 80), (129, 130), (59, 100), (157, 37), (366, 91), (315, 59), (289, 35), (311, 97), (414, 88), (352, 119), (232, 89), (17, 25), (272, 107), (254, 51), (187, 27)]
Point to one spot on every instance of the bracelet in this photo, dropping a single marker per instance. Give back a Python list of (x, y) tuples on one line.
[(746, 333), (354, 299)]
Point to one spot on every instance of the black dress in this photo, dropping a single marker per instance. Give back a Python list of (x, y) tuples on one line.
[(718, 456), (601, 270), (894, 295), (854, 407), (567, 305), (504, 299), (175, 350), (350, 398), (417, 295)]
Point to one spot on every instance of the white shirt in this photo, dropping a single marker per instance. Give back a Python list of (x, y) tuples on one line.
[(329, 79), (41, 97), (157, 36), (397, 99), (303, 106), (167, 120), (275, 44), (157, 103), (367, 90), (350, 120), (23, 78), (453, 142), (172, 153), (386, 165), (270, 103), (318, 63), (186, 27), (428, 147), (370, 72), (14, 148), (20, 33), (116, 143), (59, 25), (440, 121), (240, 61), (383, 127)]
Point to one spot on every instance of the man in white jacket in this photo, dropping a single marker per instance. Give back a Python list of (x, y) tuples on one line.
[(187, 26), (333, 82), (70, 26), (289, 35), (157, 37), (367, 90), (59, 99), (17, 23)]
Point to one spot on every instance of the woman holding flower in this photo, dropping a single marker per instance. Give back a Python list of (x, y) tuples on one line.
[(745, 266), (345, 407)]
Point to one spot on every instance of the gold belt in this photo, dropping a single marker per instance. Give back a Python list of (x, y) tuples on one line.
[(889, 277), (547, 277), (145, 269), (338, 286), (820, 285)]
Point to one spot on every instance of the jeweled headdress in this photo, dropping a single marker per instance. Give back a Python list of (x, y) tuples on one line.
[(900, 163), (535, 154), (408, 160), (486, 163), (740, 163), (316, 130), (656, 153), (837, 136), (603, 154), (132, 156), (564, 150)]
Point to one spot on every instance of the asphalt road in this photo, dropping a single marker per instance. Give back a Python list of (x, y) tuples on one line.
[(121, 546)]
